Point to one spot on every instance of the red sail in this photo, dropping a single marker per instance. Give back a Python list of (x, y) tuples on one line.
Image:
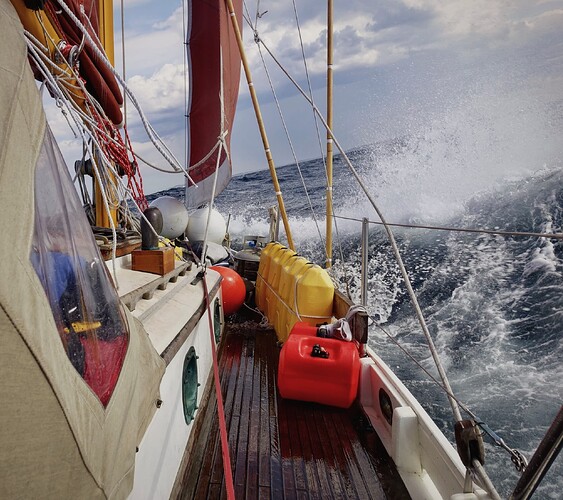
[(214, 63)]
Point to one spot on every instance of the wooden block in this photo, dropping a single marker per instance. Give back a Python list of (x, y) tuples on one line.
[(160, 261)]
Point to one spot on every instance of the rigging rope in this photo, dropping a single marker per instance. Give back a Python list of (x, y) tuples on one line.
[(220, 408), (122, 11), (408, 285), (321, 149), (222, 144), (518, 459), (223, 133), (52, 84), (310, 88), (555, 236), (291, 146), (152, 134), (77, 116), (185, 80), (109, 138), (92, 123), (284, 124), (296, 161)]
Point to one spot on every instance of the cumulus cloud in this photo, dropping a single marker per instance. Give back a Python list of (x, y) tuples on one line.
[(399, 57), (151, 40), (162, 91)]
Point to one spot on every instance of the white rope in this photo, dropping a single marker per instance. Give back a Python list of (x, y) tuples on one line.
[(295, 311), (296, 161), (282, 118), (192, 167), (208, 155), (322, 151), (293, 153), (221, 142), (86, 134), (310, 88), (48, 77), (60, 97), (63, 89), (485, 480), (207, 223), (158, 143), (185, 80)]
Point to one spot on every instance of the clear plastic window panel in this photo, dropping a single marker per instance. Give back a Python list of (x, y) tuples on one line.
[(83, 299)]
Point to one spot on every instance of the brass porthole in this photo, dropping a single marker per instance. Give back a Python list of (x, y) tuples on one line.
[(190, 385)]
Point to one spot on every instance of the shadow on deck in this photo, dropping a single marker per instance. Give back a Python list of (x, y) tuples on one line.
[(281, 448)]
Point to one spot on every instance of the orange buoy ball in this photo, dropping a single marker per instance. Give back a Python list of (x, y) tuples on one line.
[(233, 289)]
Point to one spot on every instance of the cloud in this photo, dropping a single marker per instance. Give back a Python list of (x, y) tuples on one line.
[(163, 91), (150, 39), (395, 61)]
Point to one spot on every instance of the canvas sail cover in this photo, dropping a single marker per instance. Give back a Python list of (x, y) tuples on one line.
[(59, 440), (214, 65)]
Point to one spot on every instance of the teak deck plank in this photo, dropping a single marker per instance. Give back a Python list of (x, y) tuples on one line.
[(283, 449)]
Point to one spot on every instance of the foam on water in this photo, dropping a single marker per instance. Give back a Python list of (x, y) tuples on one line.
[(488, 158), (494, 305)]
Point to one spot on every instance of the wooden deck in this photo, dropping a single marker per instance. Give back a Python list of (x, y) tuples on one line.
[(281, 448)]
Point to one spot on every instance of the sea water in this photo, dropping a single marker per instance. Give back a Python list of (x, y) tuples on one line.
[(493, 304)]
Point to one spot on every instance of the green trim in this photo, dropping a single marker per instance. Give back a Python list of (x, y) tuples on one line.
[(190, 385), (217, 321)]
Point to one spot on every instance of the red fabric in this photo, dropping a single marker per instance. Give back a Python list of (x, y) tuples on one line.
[(210, 31), (103, 362), (100, 81)]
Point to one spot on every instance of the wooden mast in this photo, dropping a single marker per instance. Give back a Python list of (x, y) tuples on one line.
[(105, 12), (329, 138), (258, 113)]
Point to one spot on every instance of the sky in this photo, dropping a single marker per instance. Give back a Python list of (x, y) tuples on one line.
[(400, 67)]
